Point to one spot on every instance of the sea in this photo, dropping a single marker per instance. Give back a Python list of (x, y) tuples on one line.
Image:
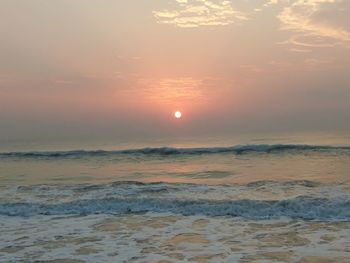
[(247, 198)]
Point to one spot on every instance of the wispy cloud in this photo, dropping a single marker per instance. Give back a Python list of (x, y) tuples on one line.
[(196, 13), (306, 64), (314, 27), (175, 90), (317, 64), (170, 89), (271, 2), (300, 50), (63, 82), (252, 68)]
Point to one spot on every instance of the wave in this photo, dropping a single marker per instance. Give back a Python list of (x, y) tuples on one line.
[(168, 151), (303, 207)]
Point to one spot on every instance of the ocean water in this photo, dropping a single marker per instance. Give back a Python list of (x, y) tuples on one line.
[(259, 199)]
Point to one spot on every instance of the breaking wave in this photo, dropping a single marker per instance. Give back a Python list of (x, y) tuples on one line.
[(168, 151), (302, 207)]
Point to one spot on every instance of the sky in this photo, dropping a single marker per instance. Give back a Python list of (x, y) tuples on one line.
[(120, 69)]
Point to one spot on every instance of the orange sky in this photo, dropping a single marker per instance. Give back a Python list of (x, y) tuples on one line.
[(124, 67)]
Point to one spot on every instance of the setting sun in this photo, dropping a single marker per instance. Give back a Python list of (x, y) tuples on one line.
[(177, 114)]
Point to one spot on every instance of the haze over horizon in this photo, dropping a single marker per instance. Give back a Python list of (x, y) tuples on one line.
[(71, 69)]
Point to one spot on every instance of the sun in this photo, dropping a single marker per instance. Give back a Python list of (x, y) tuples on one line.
[(178, 114)]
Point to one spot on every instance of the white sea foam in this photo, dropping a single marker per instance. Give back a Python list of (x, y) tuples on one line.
[(154, 237)]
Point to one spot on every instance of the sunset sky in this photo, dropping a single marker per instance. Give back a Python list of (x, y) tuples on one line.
[(122, 68)]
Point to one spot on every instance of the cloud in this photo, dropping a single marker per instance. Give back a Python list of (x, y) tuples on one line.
[(316, 22), (317, 64), (271, 2), (63, 82), (252, 68), (171, 89), (300, 50), (196, 13)]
